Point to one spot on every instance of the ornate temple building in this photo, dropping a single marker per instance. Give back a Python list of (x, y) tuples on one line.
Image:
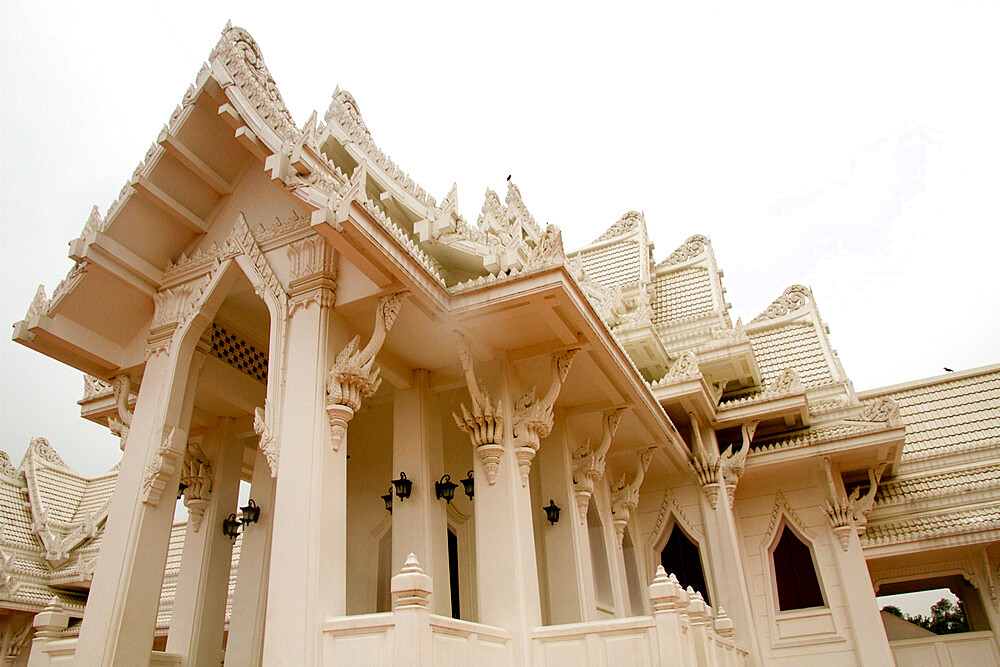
[(464, 445)]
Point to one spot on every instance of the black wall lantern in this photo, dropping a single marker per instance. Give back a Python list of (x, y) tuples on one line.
[(403, 486), (469, 484), (445, 489), (387, 499), (251, 513), (552, 512), (231, 527)]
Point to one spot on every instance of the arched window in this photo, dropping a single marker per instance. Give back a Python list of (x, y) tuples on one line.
[(795, 573), (680, 557)]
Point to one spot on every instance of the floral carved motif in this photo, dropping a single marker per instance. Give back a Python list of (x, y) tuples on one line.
[(41, 448), (685, 367), (161, 468), (691, 248), (588, 464), (792, 299), (882, 409), (624, 225), (484, 424), (196, 480), (548, 251), (120, 425), (7, 469), (263, 418), (625, 497), (354, 375), (533, 416)]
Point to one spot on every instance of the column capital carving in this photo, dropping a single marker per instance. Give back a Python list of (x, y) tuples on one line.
[(354, 375), (196, 480), (172, 308), (312, 274)]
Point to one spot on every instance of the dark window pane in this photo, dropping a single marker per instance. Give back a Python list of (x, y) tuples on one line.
[(798, 586), (453, 574), (680, 557)]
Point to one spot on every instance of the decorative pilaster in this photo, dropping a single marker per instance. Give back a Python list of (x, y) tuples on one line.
[(313, 273), (354, 375), (485, 423), (196, 480), (121, 386), (625, 498), (588, 464), (533, 416)]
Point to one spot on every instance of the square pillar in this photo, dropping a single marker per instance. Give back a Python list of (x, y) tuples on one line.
[(246, 624), (507, 577), (120, 620), (199, 612), (308, 564), (420, 523)]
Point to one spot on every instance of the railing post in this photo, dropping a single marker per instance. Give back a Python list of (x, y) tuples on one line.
[(668, 598), (411, 591), (49, 623)]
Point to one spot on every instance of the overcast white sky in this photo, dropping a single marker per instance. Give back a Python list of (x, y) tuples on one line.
[(848, 146)]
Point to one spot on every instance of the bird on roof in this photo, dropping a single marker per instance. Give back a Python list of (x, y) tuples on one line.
[(508, 177), (948, 369)]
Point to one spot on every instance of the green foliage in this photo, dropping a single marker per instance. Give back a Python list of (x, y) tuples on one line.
[(946, 617)]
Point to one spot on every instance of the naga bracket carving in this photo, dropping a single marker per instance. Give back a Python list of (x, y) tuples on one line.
[(354, 375), (484, 423), (533, 416), (120, 425), (625, 497), (588, 464)]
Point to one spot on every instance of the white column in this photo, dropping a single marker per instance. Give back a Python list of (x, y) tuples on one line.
[(859, 597), (420, 523), (505, 545), (308, 550), (565, 541), (199, 611), (246, 625), (120, 619), (724, 556)]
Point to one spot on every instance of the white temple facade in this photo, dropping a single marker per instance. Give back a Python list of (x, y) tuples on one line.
[(636, 479)]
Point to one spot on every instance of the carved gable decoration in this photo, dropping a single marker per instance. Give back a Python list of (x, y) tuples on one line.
[(243, 59), (792, 299), (691, 248), (628, 222)]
